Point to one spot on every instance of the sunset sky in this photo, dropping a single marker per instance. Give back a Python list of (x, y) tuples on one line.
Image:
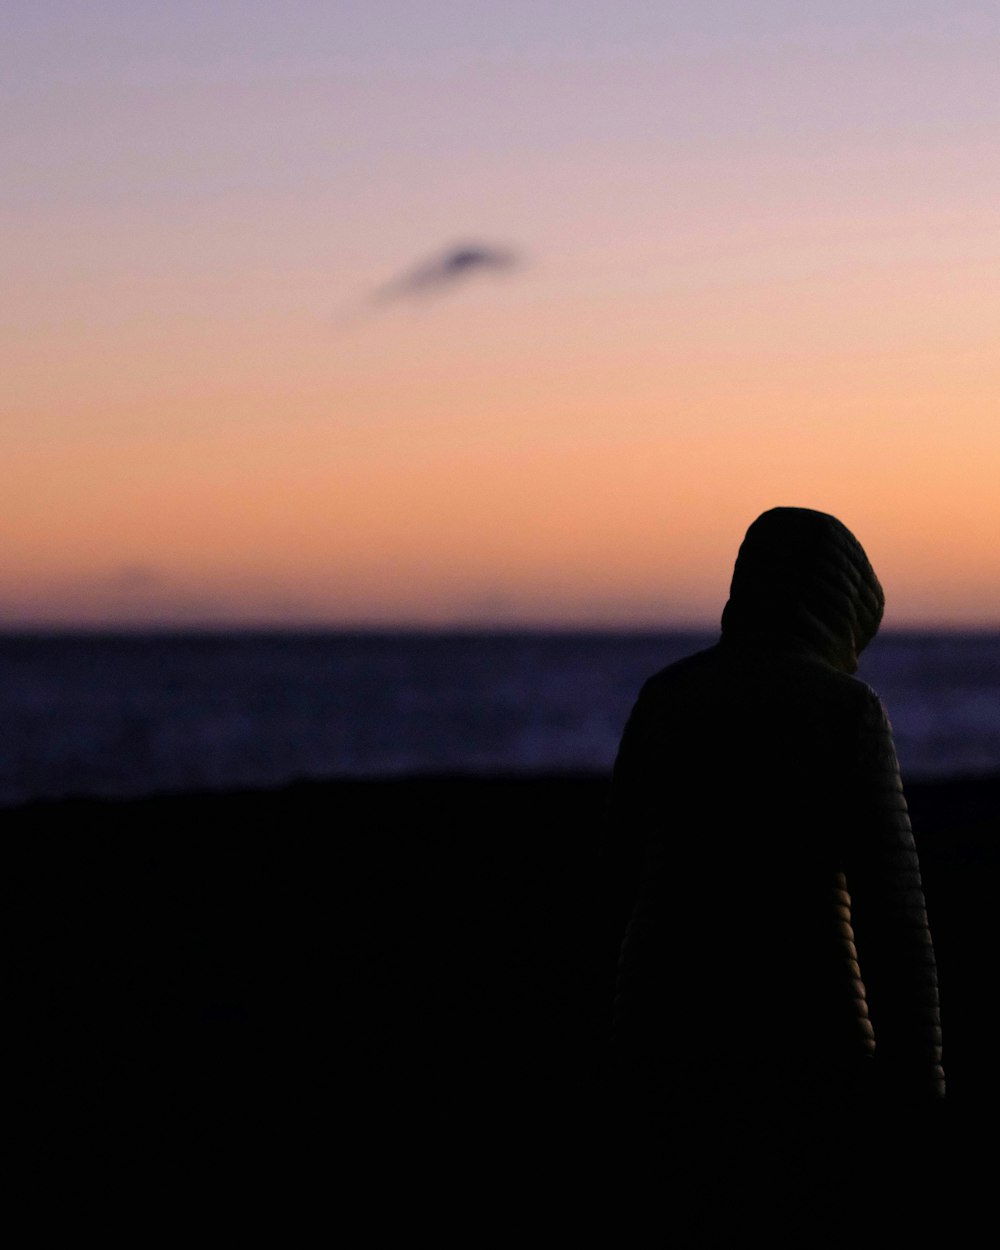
[(746, 255)]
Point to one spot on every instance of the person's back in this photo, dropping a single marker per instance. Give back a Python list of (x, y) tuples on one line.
[(774, 947)]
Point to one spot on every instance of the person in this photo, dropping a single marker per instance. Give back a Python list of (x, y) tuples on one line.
[(775, 974)]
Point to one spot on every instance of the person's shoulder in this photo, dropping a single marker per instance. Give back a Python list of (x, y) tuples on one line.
[(844, 700), (718, 676), (846, 688), (855, 693), (690, 668)]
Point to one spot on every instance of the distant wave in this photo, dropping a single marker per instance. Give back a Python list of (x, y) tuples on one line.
[(142, 713)]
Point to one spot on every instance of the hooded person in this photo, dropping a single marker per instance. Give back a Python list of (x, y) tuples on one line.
[(766, 903)]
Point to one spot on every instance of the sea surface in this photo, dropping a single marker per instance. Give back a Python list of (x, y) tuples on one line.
[(137, 714)]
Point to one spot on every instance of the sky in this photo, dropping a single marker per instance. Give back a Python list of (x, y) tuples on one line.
[(461, 313)]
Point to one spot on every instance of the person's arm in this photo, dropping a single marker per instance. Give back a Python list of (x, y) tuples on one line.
[(622, 845), (889, 918)]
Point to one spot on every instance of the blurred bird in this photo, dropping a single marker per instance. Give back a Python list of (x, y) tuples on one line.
[(444, 271)]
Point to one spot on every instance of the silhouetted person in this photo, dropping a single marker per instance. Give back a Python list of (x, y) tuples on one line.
[(776, 981)]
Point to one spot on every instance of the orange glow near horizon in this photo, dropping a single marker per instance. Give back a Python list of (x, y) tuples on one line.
[(613, 530)]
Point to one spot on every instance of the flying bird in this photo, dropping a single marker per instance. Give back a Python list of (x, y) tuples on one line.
[(455, 265)]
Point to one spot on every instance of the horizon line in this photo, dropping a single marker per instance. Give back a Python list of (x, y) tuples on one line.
[(112, 628)]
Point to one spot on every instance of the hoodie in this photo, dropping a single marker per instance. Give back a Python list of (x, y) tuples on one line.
[(765, 893)]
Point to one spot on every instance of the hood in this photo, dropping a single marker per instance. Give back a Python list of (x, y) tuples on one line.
[(802, 581)]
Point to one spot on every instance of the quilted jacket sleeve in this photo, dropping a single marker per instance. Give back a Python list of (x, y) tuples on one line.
[(621, 850), (889, 918)]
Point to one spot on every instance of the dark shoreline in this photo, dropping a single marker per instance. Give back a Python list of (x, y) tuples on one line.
[(412, 956)]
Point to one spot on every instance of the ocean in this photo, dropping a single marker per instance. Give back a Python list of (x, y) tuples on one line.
[(141, 714)]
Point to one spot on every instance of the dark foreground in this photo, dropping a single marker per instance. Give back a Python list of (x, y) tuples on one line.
[(388, 991)]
